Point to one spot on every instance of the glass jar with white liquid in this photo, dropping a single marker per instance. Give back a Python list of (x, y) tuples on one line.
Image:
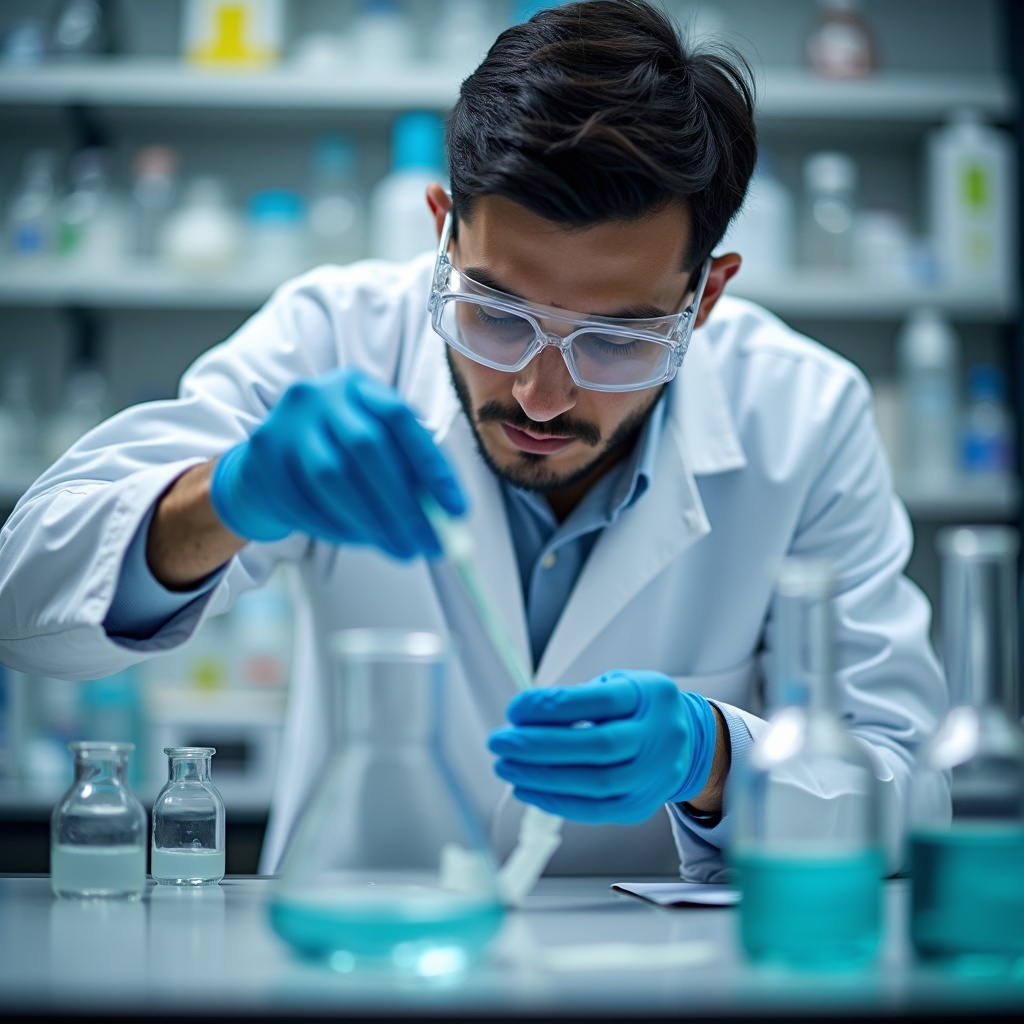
[(188, 822), (98, 828)]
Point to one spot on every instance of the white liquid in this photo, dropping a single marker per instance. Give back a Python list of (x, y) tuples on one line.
[(98, 870), (190, 866)]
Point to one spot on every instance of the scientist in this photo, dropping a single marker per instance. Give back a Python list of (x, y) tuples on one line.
[(630, 507)]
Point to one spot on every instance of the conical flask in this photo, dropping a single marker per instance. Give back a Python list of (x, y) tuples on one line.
[(967, 852), (388, 864), (811, 893)]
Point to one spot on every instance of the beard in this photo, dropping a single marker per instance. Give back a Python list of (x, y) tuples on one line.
[(530, 471)]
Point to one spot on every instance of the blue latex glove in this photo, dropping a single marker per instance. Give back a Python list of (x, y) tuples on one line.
[(611, 750), (343, 459)]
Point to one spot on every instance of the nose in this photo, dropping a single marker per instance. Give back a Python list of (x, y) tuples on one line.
[(544, 388)]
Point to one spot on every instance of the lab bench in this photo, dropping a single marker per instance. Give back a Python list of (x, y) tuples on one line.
[(576, 950)]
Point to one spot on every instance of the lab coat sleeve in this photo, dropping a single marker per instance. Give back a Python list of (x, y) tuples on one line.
[(62, 549)]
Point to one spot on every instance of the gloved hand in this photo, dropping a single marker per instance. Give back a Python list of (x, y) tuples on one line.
[(611, 750), (340, 458)]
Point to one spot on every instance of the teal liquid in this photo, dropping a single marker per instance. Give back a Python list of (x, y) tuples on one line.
[(819, 913), (373, 930), (967, 894)]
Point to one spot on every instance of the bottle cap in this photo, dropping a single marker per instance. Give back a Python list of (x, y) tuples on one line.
[(277, 206), (335, 155)]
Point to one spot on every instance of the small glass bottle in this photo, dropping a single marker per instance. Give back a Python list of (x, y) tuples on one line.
[(188, 821), (967, 853), (98, 828), (388, 865), (826, 221), (810, 899)]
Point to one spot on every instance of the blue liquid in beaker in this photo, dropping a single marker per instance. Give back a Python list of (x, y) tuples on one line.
[(820, 913), (386, 927), (967, 902)]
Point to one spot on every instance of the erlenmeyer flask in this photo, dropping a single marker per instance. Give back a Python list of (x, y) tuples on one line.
[(388, 864)]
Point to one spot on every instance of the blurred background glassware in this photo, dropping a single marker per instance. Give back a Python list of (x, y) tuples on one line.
[(276, 232), (188, 822), (388, 865), (98, 828), (808, 901), (202, 235), (337, 219), (987, 450), (154, 190), (83, 29), (827, 216), (967, 864), (32, 215), (842, 44)]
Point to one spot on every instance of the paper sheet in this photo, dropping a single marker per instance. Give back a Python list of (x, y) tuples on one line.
[(681, 894)]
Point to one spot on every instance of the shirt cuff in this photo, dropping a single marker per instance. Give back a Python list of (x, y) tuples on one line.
[(142, 605), (711, 828)]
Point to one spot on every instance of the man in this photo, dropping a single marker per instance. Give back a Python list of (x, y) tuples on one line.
[(629, 515)]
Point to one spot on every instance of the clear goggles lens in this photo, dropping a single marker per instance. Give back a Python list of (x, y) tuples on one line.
[(506, 340)]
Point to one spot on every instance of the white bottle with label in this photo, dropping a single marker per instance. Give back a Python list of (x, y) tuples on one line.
[(972, 212), (401, 225), (928, 358)]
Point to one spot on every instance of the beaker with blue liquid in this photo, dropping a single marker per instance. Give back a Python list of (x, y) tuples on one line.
[(967, 803), (811, 889), (388, 866)]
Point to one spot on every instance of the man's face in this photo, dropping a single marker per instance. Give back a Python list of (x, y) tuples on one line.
[(537, 428)]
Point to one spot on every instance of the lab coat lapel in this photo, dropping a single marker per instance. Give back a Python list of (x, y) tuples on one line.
[(699, 436)]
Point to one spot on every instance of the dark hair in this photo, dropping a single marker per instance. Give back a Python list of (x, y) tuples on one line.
[(597, 111)]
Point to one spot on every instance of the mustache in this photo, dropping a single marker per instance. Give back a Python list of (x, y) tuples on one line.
[(560, 426)]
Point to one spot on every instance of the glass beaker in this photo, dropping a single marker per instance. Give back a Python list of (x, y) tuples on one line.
[(967, 848), (98, 828), (811, 892), (388, 864), (188, 821)]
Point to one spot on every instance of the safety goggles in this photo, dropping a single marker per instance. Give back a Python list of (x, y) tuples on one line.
[(601, 353)]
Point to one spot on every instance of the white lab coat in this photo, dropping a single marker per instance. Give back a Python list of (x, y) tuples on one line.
[(769, 448)]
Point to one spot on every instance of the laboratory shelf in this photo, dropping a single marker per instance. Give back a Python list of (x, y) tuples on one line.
[(797, 295), (971, 498), (782, 93)]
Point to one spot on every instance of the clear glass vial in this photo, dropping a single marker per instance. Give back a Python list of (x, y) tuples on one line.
[(388, 866), (188, 821), (811, 897), (98, 828), (967, 851)]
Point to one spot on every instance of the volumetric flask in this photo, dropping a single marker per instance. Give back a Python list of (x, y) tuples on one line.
[(388, 865), (188, 821), (967, 806), (810, 879), (98, 829)]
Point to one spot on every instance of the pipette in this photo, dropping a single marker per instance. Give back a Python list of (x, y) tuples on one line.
[(539, 832)]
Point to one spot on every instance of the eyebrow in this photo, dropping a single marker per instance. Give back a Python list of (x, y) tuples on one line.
[(640, 311)]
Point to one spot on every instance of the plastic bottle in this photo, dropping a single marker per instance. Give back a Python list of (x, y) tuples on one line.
[(841, 44), (154, 189), (928, 354), (337, 220), (233, 33), (967, 886), (809, 900), (972, 210), (276, 232), (90, 225), (826, 223), (382, 37), (763, 231), (988, 424), (401, 225), (202, 235), (32, 215)]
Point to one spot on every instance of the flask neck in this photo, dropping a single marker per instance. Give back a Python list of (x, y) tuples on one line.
[(99, 768), (979, 617), (803, 673), (189, 769), (390, 702)]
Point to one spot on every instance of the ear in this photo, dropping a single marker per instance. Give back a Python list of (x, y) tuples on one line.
[(440, 204), (722, 268)]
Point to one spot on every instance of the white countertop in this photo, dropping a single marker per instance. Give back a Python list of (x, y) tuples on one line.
[(212, 951)]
